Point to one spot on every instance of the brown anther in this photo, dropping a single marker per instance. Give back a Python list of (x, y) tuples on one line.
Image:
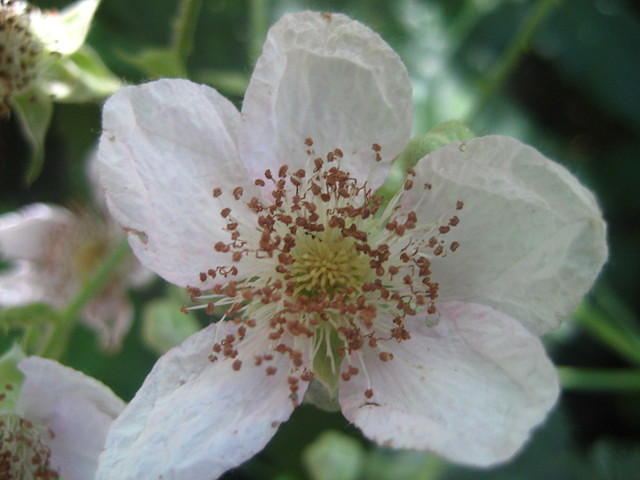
[(225, 212), (454, 246), (368, 393), (376, 147), (454, 221), (308, 141), (408, 185), (217, 192), (259, 182), (459, 205), (444, 229), (338, 153), (271, 370), (236, 365), (237, 192), (282, 172), (427, 186)]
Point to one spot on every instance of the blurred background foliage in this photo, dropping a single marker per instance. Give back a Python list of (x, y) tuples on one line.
[(574, 94)]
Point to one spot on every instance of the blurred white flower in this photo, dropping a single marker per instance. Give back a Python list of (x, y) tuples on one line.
[(35, 45), (54, 252), (57, 426), (422, 316)]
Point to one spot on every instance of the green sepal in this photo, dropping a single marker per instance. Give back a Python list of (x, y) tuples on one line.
[(419, 146), (81, 77), (34, 110), (157, 63), (12, 377), (164, 326), (327, 370), (334, 456)]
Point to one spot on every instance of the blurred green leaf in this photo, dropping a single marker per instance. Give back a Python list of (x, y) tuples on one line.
[(157, 62), (10, 375), (616, 461), (34, 110), (35, 314), (334, 456), (164, 326), (228, 82)]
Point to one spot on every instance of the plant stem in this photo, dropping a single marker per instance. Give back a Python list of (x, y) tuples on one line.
[(602, 380), (605, 330), (509, 60), (59, 339), (184, 29), (258, 28)]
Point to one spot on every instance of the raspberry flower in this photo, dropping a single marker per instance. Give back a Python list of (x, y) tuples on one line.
[(420, 316), (53, 253), (53, 424)]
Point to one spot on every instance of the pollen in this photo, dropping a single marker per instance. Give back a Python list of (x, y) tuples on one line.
[(20, 51), (328, 263), (24, 454), (327, 269)]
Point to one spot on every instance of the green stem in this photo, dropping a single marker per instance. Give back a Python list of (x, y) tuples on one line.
[(184, 29), (605, 330), (600, 380), (60, 337), (509, 60), (258, 28)]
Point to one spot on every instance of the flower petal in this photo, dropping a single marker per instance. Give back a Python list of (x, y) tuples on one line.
[(64, 32), (21, 285), (195, 419), (24, 234), (331, 79), (470, 388), (165, 146), (532, 239), (77, 408)]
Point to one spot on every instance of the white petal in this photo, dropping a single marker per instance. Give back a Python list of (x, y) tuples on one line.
[(77, 408), (470, 388), (194, 419), (328, 78), (64, 32), (164, 147), (22, 284), (24, 234), (532, 239)]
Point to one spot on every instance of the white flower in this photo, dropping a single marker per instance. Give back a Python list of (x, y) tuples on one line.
[(423, 315), (32, 40), (54, 253), (58, 425)]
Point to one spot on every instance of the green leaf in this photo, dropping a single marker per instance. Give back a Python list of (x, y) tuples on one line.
[(34, 110), (164, 326), (334, 456), (10, 376), (157, 62), (32, 315), (226, 81), (80, 77), (417, 148)]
